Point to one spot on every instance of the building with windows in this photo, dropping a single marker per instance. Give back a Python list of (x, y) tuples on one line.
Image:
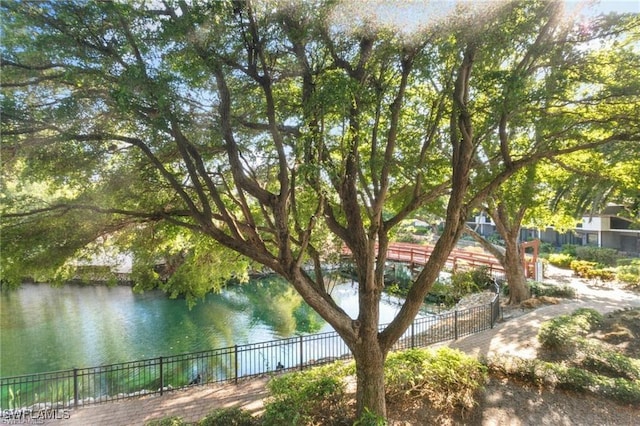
[(605, 229)]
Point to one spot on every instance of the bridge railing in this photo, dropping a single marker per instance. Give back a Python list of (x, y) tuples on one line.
[(458, 259)]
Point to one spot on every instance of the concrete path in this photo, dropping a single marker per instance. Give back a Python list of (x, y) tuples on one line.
[(516, 335)]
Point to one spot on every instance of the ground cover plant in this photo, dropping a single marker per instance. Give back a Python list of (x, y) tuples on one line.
[(445, 377), (539, 289), (598, 263), (561, 260), (229, 417), (585, 352), (629, 273), (542, 290), (561, 332), (314, 396)]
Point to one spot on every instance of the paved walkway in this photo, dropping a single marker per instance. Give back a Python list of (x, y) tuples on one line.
[(191, 404), (516, 335)]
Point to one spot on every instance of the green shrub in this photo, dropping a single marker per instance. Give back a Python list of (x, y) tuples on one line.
[(582, 268), (496, 239), (547, 248), (539, 289), (629, 274), (229, 417), (462, 283), (550, 374), (406, 235), (559, 333), (315, 396), (591, 270), (446, 377), (441, 292), (597, 357), (600, 255), (561, 260), (482, 277), (569, 249), (166, 421), (472, 281), (626, 261)]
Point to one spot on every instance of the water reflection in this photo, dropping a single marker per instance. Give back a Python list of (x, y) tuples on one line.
[(46, 329)]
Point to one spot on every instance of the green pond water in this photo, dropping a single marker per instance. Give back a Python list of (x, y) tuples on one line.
[(48, 329)]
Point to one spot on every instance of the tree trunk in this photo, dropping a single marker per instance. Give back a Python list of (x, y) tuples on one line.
[(515, 273), (370, 394)]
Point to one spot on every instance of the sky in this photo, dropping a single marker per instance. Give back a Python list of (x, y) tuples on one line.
[(411, 14), (606, 6)]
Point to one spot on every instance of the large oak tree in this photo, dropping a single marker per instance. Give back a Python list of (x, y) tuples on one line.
[(275, 131), (559, 191)]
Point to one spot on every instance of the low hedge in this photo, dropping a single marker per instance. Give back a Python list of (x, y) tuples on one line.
[(561, 260), (629, 273), (559, 333), (601, 255), (558, 375), (232, 416), (447, 377), (599, 358), (313, 396), (592, 270), (539, 289)]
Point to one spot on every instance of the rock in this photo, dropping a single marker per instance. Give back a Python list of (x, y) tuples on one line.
[(474, 300)]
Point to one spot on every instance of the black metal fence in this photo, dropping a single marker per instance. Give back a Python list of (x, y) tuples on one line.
[(93, 385)]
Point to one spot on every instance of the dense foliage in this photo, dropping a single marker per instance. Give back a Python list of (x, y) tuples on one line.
[(314, 396), (446, 377)]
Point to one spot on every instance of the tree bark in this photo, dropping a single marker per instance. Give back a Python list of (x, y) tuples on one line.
[(370, 394), (515, 273)]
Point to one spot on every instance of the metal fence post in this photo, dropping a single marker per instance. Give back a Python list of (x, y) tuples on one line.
[(413, 334), (301, 353), (492, 315), (161, 377), (75, 387), (235, 362), (455, 325)]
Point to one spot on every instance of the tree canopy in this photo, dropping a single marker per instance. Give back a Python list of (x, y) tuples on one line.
[(227, 133)]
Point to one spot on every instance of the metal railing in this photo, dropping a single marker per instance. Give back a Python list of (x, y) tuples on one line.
[(93, 385)]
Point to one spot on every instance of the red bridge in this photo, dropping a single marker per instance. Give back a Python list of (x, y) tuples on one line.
[(418, 255)]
